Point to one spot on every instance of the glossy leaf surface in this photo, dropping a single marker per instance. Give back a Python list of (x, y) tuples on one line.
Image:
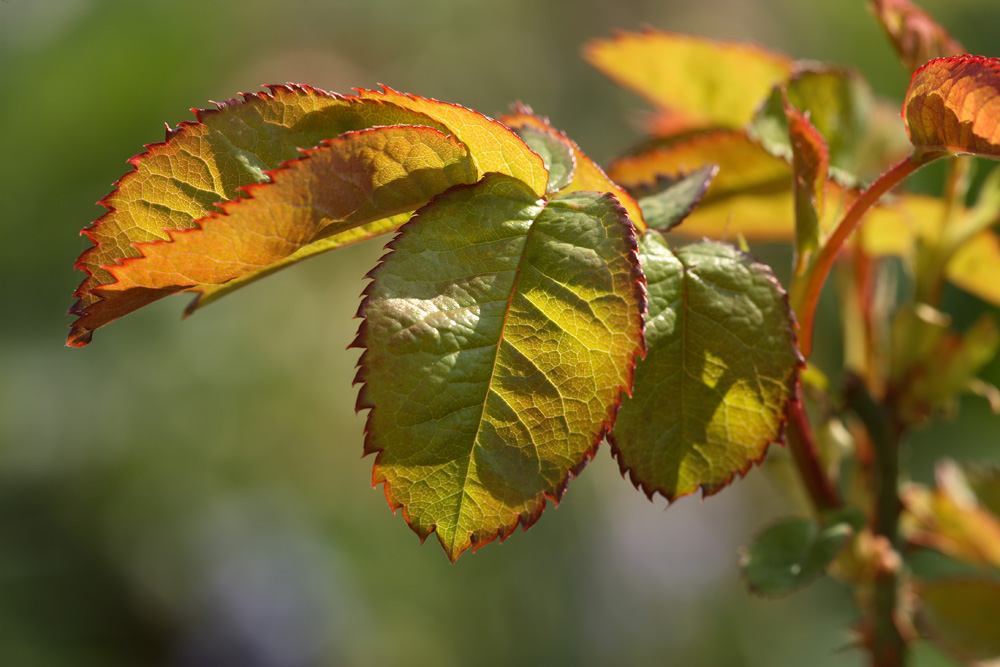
[(790, 554), (953, 106), (696, 81), (500, 333), (720, 366), (961, 615)]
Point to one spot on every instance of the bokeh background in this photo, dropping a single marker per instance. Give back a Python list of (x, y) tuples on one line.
[(192, 493)]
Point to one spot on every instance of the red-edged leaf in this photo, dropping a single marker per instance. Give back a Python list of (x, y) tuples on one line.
[(499, 335), (697, 82), (181, 182), (587, 175), (490, 143), (353, 180), (914, 33), (810, 167), (953, 106), (721, 364)]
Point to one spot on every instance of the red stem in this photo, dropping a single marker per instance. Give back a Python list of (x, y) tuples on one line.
[(803, 448), (820, 269)]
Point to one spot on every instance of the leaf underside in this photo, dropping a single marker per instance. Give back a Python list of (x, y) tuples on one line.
[(914, 33), (721, 364), (184, 206), (499, 334)]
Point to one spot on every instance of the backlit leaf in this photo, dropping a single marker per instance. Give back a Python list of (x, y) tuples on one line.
[(914, 33), (696, 81), (206, 294), (587, 175), (353, 180), (961, 615), (790, 554), (751, 194), (489, 142), (499, 334), (953, 106), (675, 199), (720, 366)]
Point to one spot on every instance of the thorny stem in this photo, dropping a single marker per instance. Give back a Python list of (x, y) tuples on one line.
[(887, 645), (819, 270), (803, 448)]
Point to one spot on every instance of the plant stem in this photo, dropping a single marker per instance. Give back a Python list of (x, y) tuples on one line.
[(807, 298), (803, 448), (888, 648)]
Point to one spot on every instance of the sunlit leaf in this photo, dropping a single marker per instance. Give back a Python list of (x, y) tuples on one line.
[(178, 183), (696, 81), (490, 143), (961, 615), (721, 364), (914, 33), (751, 194), (500, 333), (207, 294), (790, 554), (356, 179), (587, 175), (953, 106), (675, 199)]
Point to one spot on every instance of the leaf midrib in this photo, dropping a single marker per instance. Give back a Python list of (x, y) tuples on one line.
[(489, 384)]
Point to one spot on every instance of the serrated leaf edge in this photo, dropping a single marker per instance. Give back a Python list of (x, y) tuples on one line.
[(362, 402)]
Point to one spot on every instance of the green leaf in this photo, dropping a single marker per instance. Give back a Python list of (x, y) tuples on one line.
[(667, 208), (178, 185), (720, 366), (791, 554), (557, 156), (499, 334), (953, 106), (961, 615)]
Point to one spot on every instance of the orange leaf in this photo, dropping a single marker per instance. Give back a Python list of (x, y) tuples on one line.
[(953, 106), (350, 181)]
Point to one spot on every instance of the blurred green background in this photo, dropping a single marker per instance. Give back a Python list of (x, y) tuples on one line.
[(192, 494)]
